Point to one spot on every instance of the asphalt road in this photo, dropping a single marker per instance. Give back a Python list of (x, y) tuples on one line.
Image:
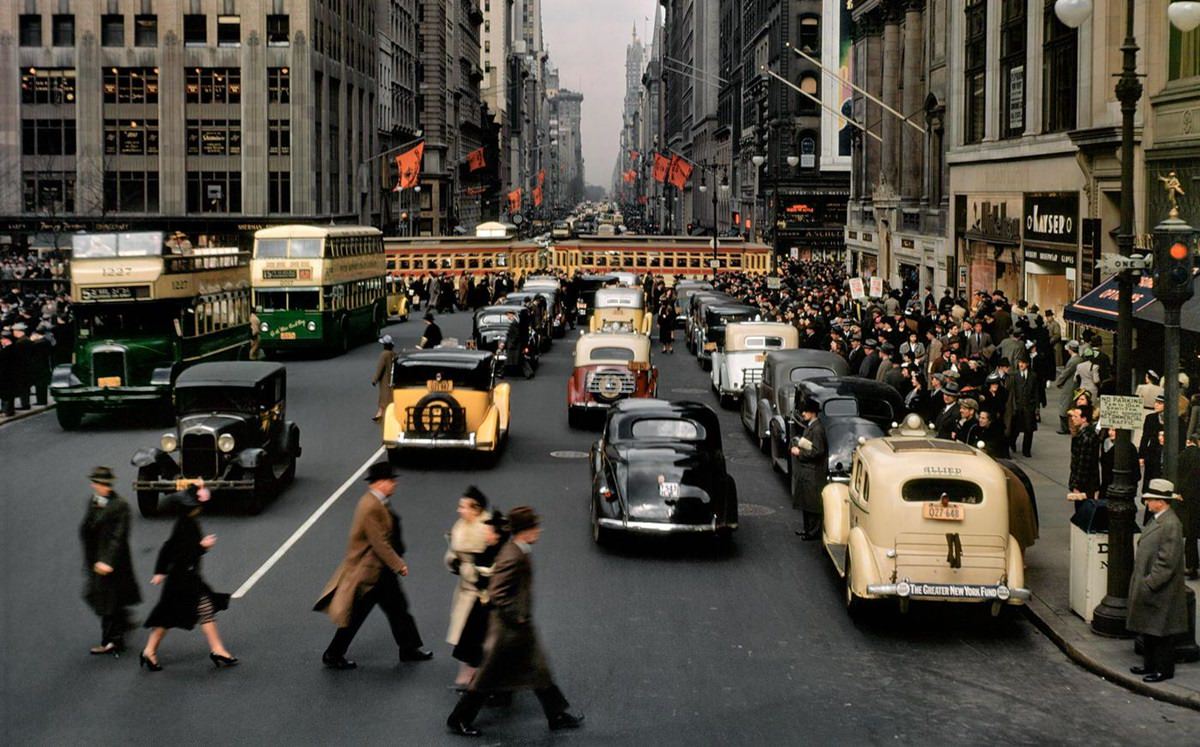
[(662, 644)]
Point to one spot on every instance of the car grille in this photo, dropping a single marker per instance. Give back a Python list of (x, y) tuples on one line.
[(108, 363), (199, 455), (611, 384), (751, 376)]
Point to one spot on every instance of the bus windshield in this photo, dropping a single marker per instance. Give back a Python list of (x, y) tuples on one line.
[(293, 299), (279, 248), (125, 320)]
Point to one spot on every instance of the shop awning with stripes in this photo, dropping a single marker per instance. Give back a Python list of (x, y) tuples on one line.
[(1098, 307)]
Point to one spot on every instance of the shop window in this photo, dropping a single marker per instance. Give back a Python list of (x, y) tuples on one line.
[(131, 85), (1060, 53), (195, 30), (279, 137), (131, 191), (214, 191), (975, 88), (1183, 58), (31, 30), (112, 30), (49, 192), (213, 85), (131, 137), (229, 31), (810, 34), (62, 30), (278, 85), (48, 86), (145, 31), (214, 137), (277, 30), (1012, 68), (48, 137)]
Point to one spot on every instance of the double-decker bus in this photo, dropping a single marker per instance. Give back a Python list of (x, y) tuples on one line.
[(493, 248), (688, 256), (142, 315), (318, 288)]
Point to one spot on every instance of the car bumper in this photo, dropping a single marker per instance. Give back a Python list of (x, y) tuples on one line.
[(662, 527), (417, 442), (170, 486), (109, 398), (950, 592)]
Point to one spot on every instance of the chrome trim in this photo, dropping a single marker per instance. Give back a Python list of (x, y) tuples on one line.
[(657, 527), (891, 590), (436, 443)]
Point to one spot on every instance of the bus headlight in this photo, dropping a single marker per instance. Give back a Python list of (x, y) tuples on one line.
[(225, 443), (312, 326), (263, 327), (168, 442)]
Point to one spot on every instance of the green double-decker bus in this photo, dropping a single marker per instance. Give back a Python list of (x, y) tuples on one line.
[(318, 288), (144, 313)]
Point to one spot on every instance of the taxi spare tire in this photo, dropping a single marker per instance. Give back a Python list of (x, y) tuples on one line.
[(437, 413)]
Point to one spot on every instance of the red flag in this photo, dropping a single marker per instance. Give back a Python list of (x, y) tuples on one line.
[(476, 160), (681, 171), (514, 201), (537, 196), (408, 164), (643, 199), (634, 155), (629, 176), (662, 167), (541, 177)]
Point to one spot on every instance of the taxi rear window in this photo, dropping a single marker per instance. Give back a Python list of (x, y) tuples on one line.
[(612, 354), (931, 489)]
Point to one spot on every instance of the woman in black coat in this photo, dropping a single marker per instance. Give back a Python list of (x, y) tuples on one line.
[(186, 600), (666, 322)]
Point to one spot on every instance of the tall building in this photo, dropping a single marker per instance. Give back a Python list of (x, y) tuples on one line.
[(397, 120), (650, 135), (628, 155), (495, 91), (205, 116), (566, 109)]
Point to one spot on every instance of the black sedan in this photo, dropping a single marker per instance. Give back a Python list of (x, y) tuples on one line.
[(658, 468)]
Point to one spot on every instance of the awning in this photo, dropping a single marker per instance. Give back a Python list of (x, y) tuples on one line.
[(1189, 314), (1098, 307)]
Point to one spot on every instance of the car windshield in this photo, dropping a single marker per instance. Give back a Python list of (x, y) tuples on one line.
[(933, 489), (612, 353), (418, 373), (215, 399), (672, 429)]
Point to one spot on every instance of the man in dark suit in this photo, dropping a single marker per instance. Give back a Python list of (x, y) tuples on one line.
[(367, 576), (513, 659), (110, 586), (811, 454), (1022, 407), (1188, 476), (1157, 594), (948, 417), (979, 342), (870, 362), (966, 428)]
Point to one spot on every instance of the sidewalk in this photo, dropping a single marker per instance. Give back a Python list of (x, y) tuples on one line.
[(22, 414), (1047, 575)]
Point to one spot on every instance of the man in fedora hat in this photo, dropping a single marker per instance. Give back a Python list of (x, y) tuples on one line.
[(1157, 594), (109, 585), (512, 658), (367, 576)]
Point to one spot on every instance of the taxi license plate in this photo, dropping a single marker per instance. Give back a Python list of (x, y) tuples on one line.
[(760, 357), (668, 490), (942, 513), (183, 483), (287, 335), (108, 381)]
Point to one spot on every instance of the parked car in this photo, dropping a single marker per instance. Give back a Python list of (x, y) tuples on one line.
[(508, 332), (231, 431), (446, 398), (710, 338), (770, 398), (398, 299), (658, 468), (608, 368), (867, 407), (746, 348), (540, 310), (693, 317), (620, 310), (923, 519)]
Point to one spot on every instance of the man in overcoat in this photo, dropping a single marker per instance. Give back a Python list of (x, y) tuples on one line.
[(1188, 474), (368, 576), (512, 657), (109, 585), (1157, 594), (811, 451), (1023, 399)]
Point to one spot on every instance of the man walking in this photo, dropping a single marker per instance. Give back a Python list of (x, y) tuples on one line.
[(433, 333), (1022, 410), (1157, 594), (512, 658), (367, 576), (109, 583)]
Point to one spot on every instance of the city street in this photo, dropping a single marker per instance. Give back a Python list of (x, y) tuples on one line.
[(657, 643)]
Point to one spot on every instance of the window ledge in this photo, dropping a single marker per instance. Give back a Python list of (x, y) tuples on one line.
[(1177, 90)]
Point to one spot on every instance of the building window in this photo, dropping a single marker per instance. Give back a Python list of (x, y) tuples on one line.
[(1060, 61), (112, 30), (810, 34), (808, 84), (278, 85), (131, 191), (214, 137), (48, 86), (975, 89), (62, 32), (1183, 59), (50, 192), (195, 30), (48, 137), (279, 199), (145, 31), (229, 31), (31, 31), (277, 31), (213, 85), (131, 85), (279, 137), (214, 191), (1012, 68), (131, 137)]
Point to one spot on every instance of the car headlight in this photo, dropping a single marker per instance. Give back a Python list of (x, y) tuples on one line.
[(168, 442), (312, 326), (225, 443), (263, 327)]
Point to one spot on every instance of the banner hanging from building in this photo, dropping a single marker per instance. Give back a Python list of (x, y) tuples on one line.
[(537, 196), (514, 201), (541, 177), (476, 160), (662, 166), (629, 176), (681, 171), (408, 164)]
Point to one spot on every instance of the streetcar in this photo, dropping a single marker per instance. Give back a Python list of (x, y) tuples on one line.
[(687, 256), (493, 248), (318, 288), (143, 314)]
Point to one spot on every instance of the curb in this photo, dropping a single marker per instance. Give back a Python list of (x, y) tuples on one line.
[(1040, 615), (26, 414)]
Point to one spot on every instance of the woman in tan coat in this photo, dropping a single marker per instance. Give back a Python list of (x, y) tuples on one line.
[(383, 375), (468, 537)]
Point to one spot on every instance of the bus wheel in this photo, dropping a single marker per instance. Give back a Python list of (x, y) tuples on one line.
[(147, 500), (68, 417)]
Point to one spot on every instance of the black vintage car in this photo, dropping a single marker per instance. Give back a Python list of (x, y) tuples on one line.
[(693, 314), (767, 402), (658, 468), (710, 337), (508, 332), (851, 408), (231, 431), (538, 303)]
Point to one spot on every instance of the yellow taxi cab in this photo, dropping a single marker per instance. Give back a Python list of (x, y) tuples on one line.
[(397, 298), (620, 310)]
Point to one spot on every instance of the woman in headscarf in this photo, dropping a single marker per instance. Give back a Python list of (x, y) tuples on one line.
[(468, 536), (469, 649), (186, 599), (383, 375)]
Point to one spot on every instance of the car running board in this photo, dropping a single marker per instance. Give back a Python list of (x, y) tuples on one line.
[(837, 553)]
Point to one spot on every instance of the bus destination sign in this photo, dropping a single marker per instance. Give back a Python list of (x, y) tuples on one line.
[(114, 293)]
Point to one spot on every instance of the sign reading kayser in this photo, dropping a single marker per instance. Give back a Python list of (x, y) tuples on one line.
[(1052, 217)]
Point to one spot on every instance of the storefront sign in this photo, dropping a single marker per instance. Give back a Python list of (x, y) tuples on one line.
[(1050, 255), (1052, 217), (994, 219), (1016, 98)]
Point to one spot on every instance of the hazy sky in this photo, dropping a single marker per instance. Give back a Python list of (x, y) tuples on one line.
[(587, 40)]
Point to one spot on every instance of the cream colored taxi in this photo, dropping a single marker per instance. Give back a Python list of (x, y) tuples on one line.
[(746, 347), (620, 310), (923, 519)]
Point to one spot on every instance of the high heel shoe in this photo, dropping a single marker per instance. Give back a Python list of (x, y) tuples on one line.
[(219, 661), (149, 663)]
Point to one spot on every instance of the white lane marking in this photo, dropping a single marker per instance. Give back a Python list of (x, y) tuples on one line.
[(296, 535)]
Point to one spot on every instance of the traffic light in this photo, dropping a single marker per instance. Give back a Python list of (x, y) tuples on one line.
[(1173, 267)]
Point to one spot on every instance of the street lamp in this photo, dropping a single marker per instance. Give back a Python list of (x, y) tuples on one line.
[(793, 161), (1110, 615), (415, 222)]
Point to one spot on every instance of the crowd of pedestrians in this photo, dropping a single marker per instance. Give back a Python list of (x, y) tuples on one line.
[(35, 329)]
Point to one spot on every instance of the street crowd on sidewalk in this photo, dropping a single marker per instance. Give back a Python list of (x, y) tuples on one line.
[(36, 331)]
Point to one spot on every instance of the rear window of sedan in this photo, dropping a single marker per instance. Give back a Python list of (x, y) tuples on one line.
[(668, 428), (612, 354), (931, 489)]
